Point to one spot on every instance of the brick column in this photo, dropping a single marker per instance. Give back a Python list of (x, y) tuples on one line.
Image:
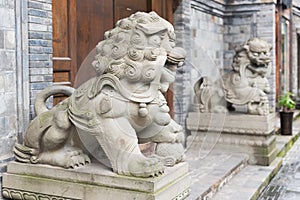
[(182, 93), (8, 88), (40, 47)]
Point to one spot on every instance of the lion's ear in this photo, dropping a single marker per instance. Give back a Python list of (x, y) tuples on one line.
[(270, 46), (246, 47)]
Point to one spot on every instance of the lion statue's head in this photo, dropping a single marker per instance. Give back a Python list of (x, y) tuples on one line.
[(258, 51), (253, 56), (130, 50)]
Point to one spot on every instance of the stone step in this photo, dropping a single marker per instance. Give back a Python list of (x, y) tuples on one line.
[(249, 182), (252, 179), (209, 173)]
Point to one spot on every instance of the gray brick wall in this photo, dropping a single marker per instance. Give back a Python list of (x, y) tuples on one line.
[(200, 32), (8, 88), (208, 39), (40, 47), (182, 84), (295, 64)]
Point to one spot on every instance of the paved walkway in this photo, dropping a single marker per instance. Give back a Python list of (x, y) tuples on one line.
[(286, 184)]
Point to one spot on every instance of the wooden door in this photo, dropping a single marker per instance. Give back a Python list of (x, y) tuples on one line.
[(124, 8), (93, 18), (78, 25)]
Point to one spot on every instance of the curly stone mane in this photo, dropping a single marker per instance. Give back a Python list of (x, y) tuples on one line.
[(125, 47)]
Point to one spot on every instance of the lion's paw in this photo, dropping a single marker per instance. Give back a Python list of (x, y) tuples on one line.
[(66, 158), (78, 160), (170, 154), (142, 166)]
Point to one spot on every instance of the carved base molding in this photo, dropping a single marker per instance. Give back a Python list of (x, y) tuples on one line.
[(249, 134), (94, 181), (25, 195)]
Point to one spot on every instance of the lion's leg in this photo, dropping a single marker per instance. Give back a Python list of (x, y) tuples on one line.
[(57, 135), (119, 141), (56, 148), (171, 133), (169, 141)]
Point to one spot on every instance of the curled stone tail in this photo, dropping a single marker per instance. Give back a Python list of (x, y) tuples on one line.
[(40, 102)]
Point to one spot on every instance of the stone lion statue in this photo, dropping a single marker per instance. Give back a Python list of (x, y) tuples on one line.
[(245, 84), (110, 114)]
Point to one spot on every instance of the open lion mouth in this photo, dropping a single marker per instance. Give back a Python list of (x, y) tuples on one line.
[(176, 57), (263, 63)]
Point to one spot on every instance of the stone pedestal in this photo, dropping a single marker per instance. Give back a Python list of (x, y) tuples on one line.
[(250, 134), (94, 181)]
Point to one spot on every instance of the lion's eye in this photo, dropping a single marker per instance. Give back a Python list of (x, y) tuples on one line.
[(155, 40), (163, 35), (172, 43), (255, 53)]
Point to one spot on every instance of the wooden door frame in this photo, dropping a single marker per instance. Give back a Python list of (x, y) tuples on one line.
[(298, 61), (72, 41)]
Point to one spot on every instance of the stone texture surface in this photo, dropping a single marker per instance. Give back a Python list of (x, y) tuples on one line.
[(207, 57), (211, 170), (285, 185), (182, 93), (219, 175), (249, 182), (232, 123), (8, 87), (252, 179), (80, 183), (250, 134), (4, 159)]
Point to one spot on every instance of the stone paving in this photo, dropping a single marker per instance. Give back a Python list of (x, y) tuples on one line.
[(248, 183), (209, 173), (251, 180), (286, 184)]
